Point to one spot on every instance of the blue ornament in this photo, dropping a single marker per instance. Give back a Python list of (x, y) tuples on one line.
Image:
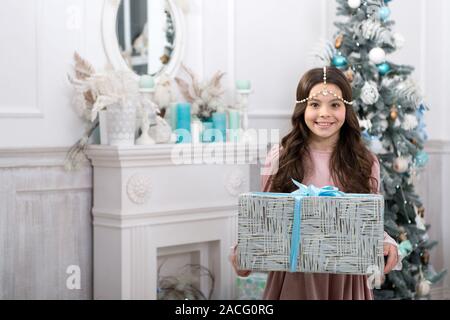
[(339, 61), (421, 158), (383, 68), (422, 109), (421, 131), (384, 13), (365, 135), (387, 1), (420, 115)]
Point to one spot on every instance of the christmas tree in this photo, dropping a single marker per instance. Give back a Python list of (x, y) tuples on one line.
[(391, 112)]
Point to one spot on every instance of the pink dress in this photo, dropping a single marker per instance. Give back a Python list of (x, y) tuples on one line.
[(314, 286)]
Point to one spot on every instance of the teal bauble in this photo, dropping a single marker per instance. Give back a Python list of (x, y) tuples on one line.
[(387, 1), (339, 61), (383, 68), (384, 13), (421, 158), (405, 247)]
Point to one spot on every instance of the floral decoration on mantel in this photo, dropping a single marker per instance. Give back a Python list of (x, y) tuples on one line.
[(95, 91), (205, 97)]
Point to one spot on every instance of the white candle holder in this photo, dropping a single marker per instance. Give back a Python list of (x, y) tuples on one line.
[(242, 104), (147, 116), (148, 95)]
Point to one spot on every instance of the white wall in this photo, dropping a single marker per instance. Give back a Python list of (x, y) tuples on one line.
[(267, 42)]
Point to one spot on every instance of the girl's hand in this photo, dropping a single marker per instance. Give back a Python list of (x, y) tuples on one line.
[(233, 259), (390, 250)]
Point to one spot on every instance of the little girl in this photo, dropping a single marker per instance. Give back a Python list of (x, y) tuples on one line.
[(323, 148)]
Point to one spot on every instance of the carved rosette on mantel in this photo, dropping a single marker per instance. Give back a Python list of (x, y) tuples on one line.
[(236, 183), (139, 188)]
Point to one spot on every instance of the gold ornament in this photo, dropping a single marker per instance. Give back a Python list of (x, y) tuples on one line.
[(403, 237), (339, 41), (394, 112), (421, 212), (425, 257), (403, 234), (349, 75), (164, 59), (400, 165), (423, 288)]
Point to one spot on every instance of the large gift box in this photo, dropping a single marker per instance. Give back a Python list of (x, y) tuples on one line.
[(312, 229)]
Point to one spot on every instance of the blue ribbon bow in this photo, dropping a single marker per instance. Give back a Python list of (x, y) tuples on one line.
[(305, 191)]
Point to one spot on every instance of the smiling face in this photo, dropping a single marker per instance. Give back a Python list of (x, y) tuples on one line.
[(325, 115)]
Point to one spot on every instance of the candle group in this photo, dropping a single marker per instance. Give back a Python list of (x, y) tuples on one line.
[(213, 129), (208, 133), (234, 120), (220, 126)]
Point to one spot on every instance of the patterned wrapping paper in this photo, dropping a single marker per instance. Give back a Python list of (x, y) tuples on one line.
[(338, 234)]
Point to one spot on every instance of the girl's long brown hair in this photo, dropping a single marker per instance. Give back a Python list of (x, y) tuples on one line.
[(350, 163)]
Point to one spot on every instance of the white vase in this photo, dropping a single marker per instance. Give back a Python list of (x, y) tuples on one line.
[(121, 124)]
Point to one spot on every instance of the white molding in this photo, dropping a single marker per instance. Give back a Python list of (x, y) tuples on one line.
[(437, 146), (270, 114), (32, 157), (54, 156), (111, 45), (20, 112), (117, 214), (35, 111), (103, 219), (162, 154), (55, 190)]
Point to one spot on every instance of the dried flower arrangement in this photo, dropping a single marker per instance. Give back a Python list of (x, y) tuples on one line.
[(182, 286), (94, 92), (205, 97)]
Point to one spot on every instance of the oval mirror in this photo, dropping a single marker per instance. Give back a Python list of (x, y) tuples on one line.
[(145, 36)]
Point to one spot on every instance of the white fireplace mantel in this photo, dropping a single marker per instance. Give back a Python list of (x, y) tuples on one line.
[(154, 199)]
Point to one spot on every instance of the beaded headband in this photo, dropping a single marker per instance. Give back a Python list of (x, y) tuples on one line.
[(325, 91)]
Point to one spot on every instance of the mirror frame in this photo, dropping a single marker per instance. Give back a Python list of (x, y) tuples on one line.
[(111, 43)]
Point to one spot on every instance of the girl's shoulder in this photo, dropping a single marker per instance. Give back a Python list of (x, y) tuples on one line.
[(376, 162)]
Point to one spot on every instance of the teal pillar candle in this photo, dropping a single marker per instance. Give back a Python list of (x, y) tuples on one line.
[(220, 124), (207, 133), (243, 85), (183, 123), (173, 116), (234, 119), (234, 124), (146, 82)]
